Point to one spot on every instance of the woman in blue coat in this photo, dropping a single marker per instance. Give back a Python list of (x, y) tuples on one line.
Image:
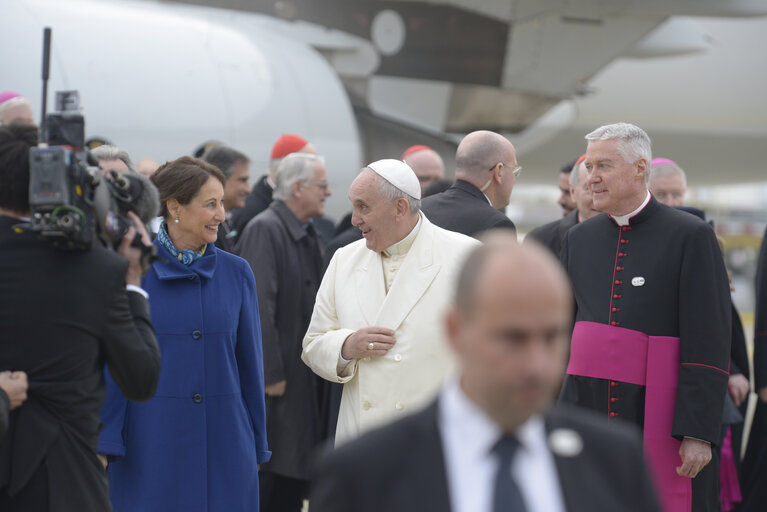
[(197, 444)]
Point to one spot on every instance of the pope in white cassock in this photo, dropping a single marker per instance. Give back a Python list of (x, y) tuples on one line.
[(377, 325)]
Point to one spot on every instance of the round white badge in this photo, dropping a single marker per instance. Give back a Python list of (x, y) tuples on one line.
[(565, 442), (638, 281)]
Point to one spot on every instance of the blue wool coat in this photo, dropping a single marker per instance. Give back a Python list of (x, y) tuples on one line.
[(197, 444)]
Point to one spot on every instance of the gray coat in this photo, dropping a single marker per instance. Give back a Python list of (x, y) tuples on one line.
[(287, 262)]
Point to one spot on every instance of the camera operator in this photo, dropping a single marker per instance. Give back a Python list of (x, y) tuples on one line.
[(63, 314)]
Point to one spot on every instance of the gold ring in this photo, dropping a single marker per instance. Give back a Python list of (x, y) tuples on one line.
[(371, 345)]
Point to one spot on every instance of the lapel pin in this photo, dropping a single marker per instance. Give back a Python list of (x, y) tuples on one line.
[(565, 442), (638, 281)]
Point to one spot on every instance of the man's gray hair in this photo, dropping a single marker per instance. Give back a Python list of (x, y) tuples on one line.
[(12, 103), (107, 152), (391, 193), (293, 167), (667, 171), (575, 174), (633, 142), (224, 158)]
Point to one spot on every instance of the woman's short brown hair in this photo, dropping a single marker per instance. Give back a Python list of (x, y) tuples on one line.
[(182, 179)]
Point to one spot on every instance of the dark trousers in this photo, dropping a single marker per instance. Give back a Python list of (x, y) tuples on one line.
[(32, 498), (279, 493)]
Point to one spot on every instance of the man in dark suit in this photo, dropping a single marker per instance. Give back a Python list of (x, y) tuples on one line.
[(63, 314), (508, 328), (552, 234), (485, 172), (236, 168)]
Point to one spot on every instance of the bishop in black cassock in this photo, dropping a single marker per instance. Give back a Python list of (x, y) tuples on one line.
[(652, 332)]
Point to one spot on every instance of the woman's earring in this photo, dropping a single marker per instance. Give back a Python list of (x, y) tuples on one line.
[(176, 221)]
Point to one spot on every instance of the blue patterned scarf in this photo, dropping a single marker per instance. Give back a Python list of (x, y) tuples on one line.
[(187, 256)]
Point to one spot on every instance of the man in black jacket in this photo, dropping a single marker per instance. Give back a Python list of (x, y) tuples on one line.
[(485, 172), (509, 329), (63, 314)]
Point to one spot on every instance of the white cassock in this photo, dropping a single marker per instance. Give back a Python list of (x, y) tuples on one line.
[(353, 295)]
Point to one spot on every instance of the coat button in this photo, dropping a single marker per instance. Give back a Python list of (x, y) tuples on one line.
[(618, 281), (197, 398), (399, 406), (614, 399), (196, 334), (615, 324), (398, 357), (366, 406), (191, 278), (614, 414), (614, 384)]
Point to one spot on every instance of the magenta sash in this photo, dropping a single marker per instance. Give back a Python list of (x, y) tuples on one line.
[(605, 352)]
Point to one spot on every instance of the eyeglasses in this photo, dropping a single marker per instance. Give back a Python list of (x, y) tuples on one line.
[(322, 184), (516, 171)]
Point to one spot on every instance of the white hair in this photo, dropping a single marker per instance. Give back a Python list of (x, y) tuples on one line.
[(667, 171), (107, 152), (575, 174), (633, 142), (10, 104), (293, 167), (392, 193)]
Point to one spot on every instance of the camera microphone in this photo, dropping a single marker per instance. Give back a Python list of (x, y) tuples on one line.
[(138, 194)]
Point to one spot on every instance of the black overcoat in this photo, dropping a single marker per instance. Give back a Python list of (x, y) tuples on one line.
[(287, 262)]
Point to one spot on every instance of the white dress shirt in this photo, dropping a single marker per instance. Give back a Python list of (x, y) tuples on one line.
[(468, 436)]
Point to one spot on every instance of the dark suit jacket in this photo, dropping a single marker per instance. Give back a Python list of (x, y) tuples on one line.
[(257, 201), (463, 208), (5, 409), (401, 468), (552, 234), (62, 316)]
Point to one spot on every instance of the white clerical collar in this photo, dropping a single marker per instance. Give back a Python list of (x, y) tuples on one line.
[(404, 245), (270, 182), (623, 220)]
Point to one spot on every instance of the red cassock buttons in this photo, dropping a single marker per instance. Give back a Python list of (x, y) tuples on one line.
[(622, 254), (624, 241), (616, 296), (615, 310), (613, 414), (618, 268), (617, 281), (614, 323), (614, 384), (614, 399)]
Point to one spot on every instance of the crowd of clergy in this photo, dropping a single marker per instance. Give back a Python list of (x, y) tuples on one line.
[(292, 347)]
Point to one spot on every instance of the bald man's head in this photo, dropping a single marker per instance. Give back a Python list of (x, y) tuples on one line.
[(487, 160), (427, 166), (509, 328)]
